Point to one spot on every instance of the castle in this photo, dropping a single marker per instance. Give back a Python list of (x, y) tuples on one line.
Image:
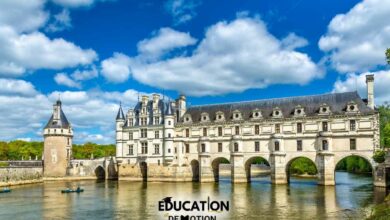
[(160, 140)]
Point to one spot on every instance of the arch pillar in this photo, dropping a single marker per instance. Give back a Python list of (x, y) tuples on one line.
[(326, 168), (238, 168), (205, 169), (278, 168)]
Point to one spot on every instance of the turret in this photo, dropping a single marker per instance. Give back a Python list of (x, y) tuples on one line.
[(120, 121), (181, 106), (58, 135), (370, 91), (169, 133)]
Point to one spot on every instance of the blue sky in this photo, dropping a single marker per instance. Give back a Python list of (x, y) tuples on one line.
[(96, 53)]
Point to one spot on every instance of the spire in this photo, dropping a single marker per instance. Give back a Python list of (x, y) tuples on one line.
[(120, 115), (169, 109)]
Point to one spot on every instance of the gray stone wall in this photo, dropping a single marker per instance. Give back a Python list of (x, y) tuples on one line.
[(20, 175)]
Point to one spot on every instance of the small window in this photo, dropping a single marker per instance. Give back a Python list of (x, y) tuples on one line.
[(325, 145), (187, 119), (187, 132), (144, 133), (169, 122), (204, 118), (169, 150), (352, 125), (235, 147), (187, 148), (299, 145), (276, 113), (237, 115), (257, 146), (156, 120), (219, 147), (277, 147), (352, 144), (131, 150), (277, 128), (156, 134), (324, 126), (204, 132), (203, 148), (144, 146), (130, 135), (219, 131), (237, 130), (257, 129), (169, 135), (220, 117), (156, 149), (299, 127)]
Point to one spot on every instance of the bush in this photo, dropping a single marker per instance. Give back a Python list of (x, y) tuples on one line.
[(379, 156)]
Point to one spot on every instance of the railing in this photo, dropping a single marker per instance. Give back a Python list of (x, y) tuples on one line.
[(21, 163)]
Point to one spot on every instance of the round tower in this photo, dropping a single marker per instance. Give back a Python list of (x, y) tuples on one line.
[(169, 133), (58, 136), (120, 121)]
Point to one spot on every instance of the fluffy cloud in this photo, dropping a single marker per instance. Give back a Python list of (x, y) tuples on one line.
[(63, 79), (24, 111), (292, 41), (61, 21), (356, 40), (357, 82), (19, 53), (116, 69), (87, 74), (76, 3), (182, 11), (233, 56), (165, 40)]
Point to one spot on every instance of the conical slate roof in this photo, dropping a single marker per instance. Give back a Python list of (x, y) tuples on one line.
[(120, 115), (61, 123)]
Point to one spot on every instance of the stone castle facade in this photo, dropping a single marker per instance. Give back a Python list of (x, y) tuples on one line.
[(162, 140)]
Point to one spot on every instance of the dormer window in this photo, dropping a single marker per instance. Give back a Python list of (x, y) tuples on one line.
[(256, 114), (277, 113), (299, 111), (352, 107), (237, 115), (219, 116), (187, 118), (204, 117), (324, 109)]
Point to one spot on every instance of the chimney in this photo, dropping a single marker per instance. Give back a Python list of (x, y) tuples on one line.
[(370, 90)]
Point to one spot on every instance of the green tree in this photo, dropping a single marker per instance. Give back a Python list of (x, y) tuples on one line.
[(388, 55), (384, 121)]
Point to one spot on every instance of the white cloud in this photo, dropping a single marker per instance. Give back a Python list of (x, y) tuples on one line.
[(356, 40), (23, 15), (63, 79), (357, 82), (292, 41), (81, 75), (61, 22), (36, 51), (165, 40), (182, 11), (12, 87), (232, 57), (116, 69), (77, 3)]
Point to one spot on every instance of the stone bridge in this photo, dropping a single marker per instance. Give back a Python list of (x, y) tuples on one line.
[(102, 168)]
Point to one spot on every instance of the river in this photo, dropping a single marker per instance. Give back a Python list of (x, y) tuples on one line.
[(301, 199)]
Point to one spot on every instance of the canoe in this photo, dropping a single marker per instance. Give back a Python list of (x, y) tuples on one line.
[(5, 190), (72, 190)]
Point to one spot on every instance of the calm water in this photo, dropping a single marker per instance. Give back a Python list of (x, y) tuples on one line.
[(302, 199)]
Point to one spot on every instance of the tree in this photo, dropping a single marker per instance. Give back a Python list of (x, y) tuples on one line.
[(384, 123), (388, 55)]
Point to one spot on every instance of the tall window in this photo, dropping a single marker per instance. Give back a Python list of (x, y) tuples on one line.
[(143, 121), (325, 145), (277, 128), (144, 133), (187, 132), (299, 145), (257, 129), (277, 146), (257, 146), (219, 131), (156, 120), (352, 144), (219, 147), (131, 150), (131, 122), (204, 132), (130, 135), (352, 125), (156, 134), (187, 148), (144, 147), (203, 148), (156, 149), (235, 147), (237, 130), (299, 127), (324, 126)]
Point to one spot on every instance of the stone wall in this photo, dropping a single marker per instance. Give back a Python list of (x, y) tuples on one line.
[(155, 173), (20, 175)]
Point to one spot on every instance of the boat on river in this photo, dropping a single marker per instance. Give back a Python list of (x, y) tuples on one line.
[(78, 190), (5, 190)]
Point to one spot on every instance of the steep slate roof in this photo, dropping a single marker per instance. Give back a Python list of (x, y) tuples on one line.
[(120, 114), (62, 123), (311, 104), (164, 106)]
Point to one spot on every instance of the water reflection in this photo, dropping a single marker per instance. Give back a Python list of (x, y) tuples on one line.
[(302, 199)]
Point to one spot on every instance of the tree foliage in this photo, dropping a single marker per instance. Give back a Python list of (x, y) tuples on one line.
[(302, 165), (388, 55), (17, 150), (354, 164), (384, 123), (379, 156)]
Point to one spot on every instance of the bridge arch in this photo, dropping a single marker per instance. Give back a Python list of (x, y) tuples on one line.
[(357, 161), (144, 171), (100, 172), (215, 166), (195, 170), (255, 160), (306, 165)]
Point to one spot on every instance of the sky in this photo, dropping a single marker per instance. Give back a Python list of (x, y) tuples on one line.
[(94, 54)]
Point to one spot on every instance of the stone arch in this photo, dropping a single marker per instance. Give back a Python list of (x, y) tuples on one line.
[(195, 170), (253, 160), (215, 166), (289, 163), (144, 171), (364, 157), (100, 172)]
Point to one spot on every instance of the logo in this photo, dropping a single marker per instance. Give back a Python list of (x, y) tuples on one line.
[(191, 210)]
